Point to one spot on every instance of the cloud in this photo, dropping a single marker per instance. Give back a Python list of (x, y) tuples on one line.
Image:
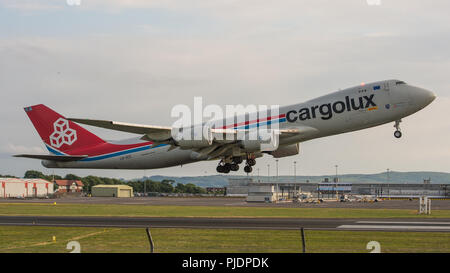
[(11, 148), (148, 56), (31, 5)]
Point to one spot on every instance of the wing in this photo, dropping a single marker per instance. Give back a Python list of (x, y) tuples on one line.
[(150, 132), (61, 158), (219, 146), (225, 147), (298, 132)]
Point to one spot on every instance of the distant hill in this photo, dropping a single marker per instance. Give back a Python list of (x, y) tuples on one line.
[(394, 177)]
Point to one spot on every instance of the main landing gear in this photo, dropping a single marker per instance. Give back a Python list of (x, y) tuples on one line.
[(249, 163), (232, 164), (397, 133)]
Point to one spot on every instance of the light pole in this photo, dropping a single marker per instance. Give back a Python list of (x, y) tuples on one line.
[(336, 181), (295, 171), (276, 161), (258, 174), (295, 179), (145, 183), (268, 172), (387, 174)]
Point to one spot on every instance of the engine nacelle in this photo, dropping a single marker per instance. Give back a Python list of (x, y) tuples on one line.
[(287, 150), (193, 137), (261, 140)]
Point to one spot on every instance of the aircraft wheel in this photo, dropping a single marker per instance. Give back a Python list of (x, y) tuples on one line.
[(398, 134), (226, 168), (251, 162), (238, 159), (248, 169), (219, 169), (234, 167)]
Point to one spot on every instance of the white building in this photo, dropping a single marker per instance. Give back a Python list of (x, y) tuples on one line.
[(22, 188), (238, 186), (259, 192)]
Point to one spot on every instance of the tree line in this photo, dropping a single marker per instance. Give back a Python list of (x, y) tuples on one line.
[(165, 186)]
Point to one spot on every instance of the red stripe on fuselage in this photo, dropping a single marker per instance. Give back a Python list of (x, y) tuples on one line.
[(253, 121), (108, 148)]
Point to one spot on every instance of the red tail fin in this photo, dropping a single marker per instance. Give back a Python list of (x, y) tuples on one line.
[(59, 133)]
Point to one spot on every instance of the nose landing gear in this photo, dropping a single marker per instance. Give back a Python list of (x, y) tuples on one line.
[(397, 133)]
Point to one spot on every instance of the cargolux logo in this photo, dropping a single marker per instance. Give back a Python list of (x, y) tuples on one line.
[(62, 134), (326, 110)]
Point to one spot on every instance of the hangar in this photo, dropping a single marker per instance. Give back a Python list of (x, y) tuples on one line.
[(22, 188), (112, 191)]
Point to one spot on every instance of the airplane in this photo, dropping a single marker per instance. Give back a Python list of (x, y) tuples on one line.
[(356, 108)]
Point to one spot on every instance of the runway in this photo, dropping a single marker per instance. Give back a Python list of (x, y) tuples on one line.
[(410, 224)]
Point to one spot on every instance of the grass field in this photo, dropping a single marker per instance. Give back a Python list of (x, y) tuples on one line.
[(39, 239), (204, 211)]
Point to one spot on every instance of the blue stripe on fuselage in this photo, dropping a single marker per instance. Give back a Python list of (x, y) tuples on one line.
[(259, 124), (148, 147), (133, 150), (53, 151)]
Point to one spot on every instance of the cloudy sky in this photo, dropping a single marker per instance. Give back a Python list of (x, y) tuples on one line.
[(133, 61)]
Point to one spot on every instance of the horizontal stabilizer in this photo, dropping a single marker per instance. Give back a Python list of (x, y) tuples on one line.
[(61, 158)]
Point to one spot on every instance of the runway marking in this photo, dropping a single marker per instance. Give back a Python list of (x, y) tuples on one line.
[(384, 227), (404, 222), (88, 235), (51, 242)]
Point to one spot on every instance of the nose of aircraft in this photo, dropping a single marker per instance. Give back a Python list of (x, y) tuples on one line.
[(428, 96), (422, 96)]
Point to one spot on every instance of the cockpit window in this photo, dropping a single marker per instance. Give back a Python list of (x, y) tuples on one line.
[(400, 82)]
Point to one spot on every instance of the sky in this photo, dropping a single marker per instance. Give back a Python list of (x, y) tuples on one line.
[(133, 61)]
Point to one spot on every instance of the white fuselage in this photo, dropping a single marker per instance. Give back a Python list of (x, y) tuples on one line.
[(339, 112)]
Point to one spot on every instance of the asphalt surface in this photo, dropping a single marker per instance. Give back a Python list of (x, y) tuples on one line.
[(436, 225)]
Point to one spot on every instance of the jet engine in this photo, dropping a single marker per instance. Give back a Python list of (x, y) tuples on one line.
[(261, 140), (193, 137), (286, 150)]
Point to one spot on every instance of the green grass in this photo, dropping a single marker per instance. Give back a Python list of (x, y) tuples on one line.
[(205, 211), (39, 239)]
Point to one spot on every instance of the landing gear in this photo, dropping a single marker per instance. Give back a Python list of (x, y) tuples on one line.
[(397, 133), (249, 163), (234, 167), (237, 159), (232, 164), (226, 167), (223, 168)]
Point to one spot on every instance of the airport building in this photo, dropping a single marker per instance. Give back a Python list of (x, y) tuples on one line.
[(69, 186), (272, 191), (112, 191), (24, 188), (238, 186)]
